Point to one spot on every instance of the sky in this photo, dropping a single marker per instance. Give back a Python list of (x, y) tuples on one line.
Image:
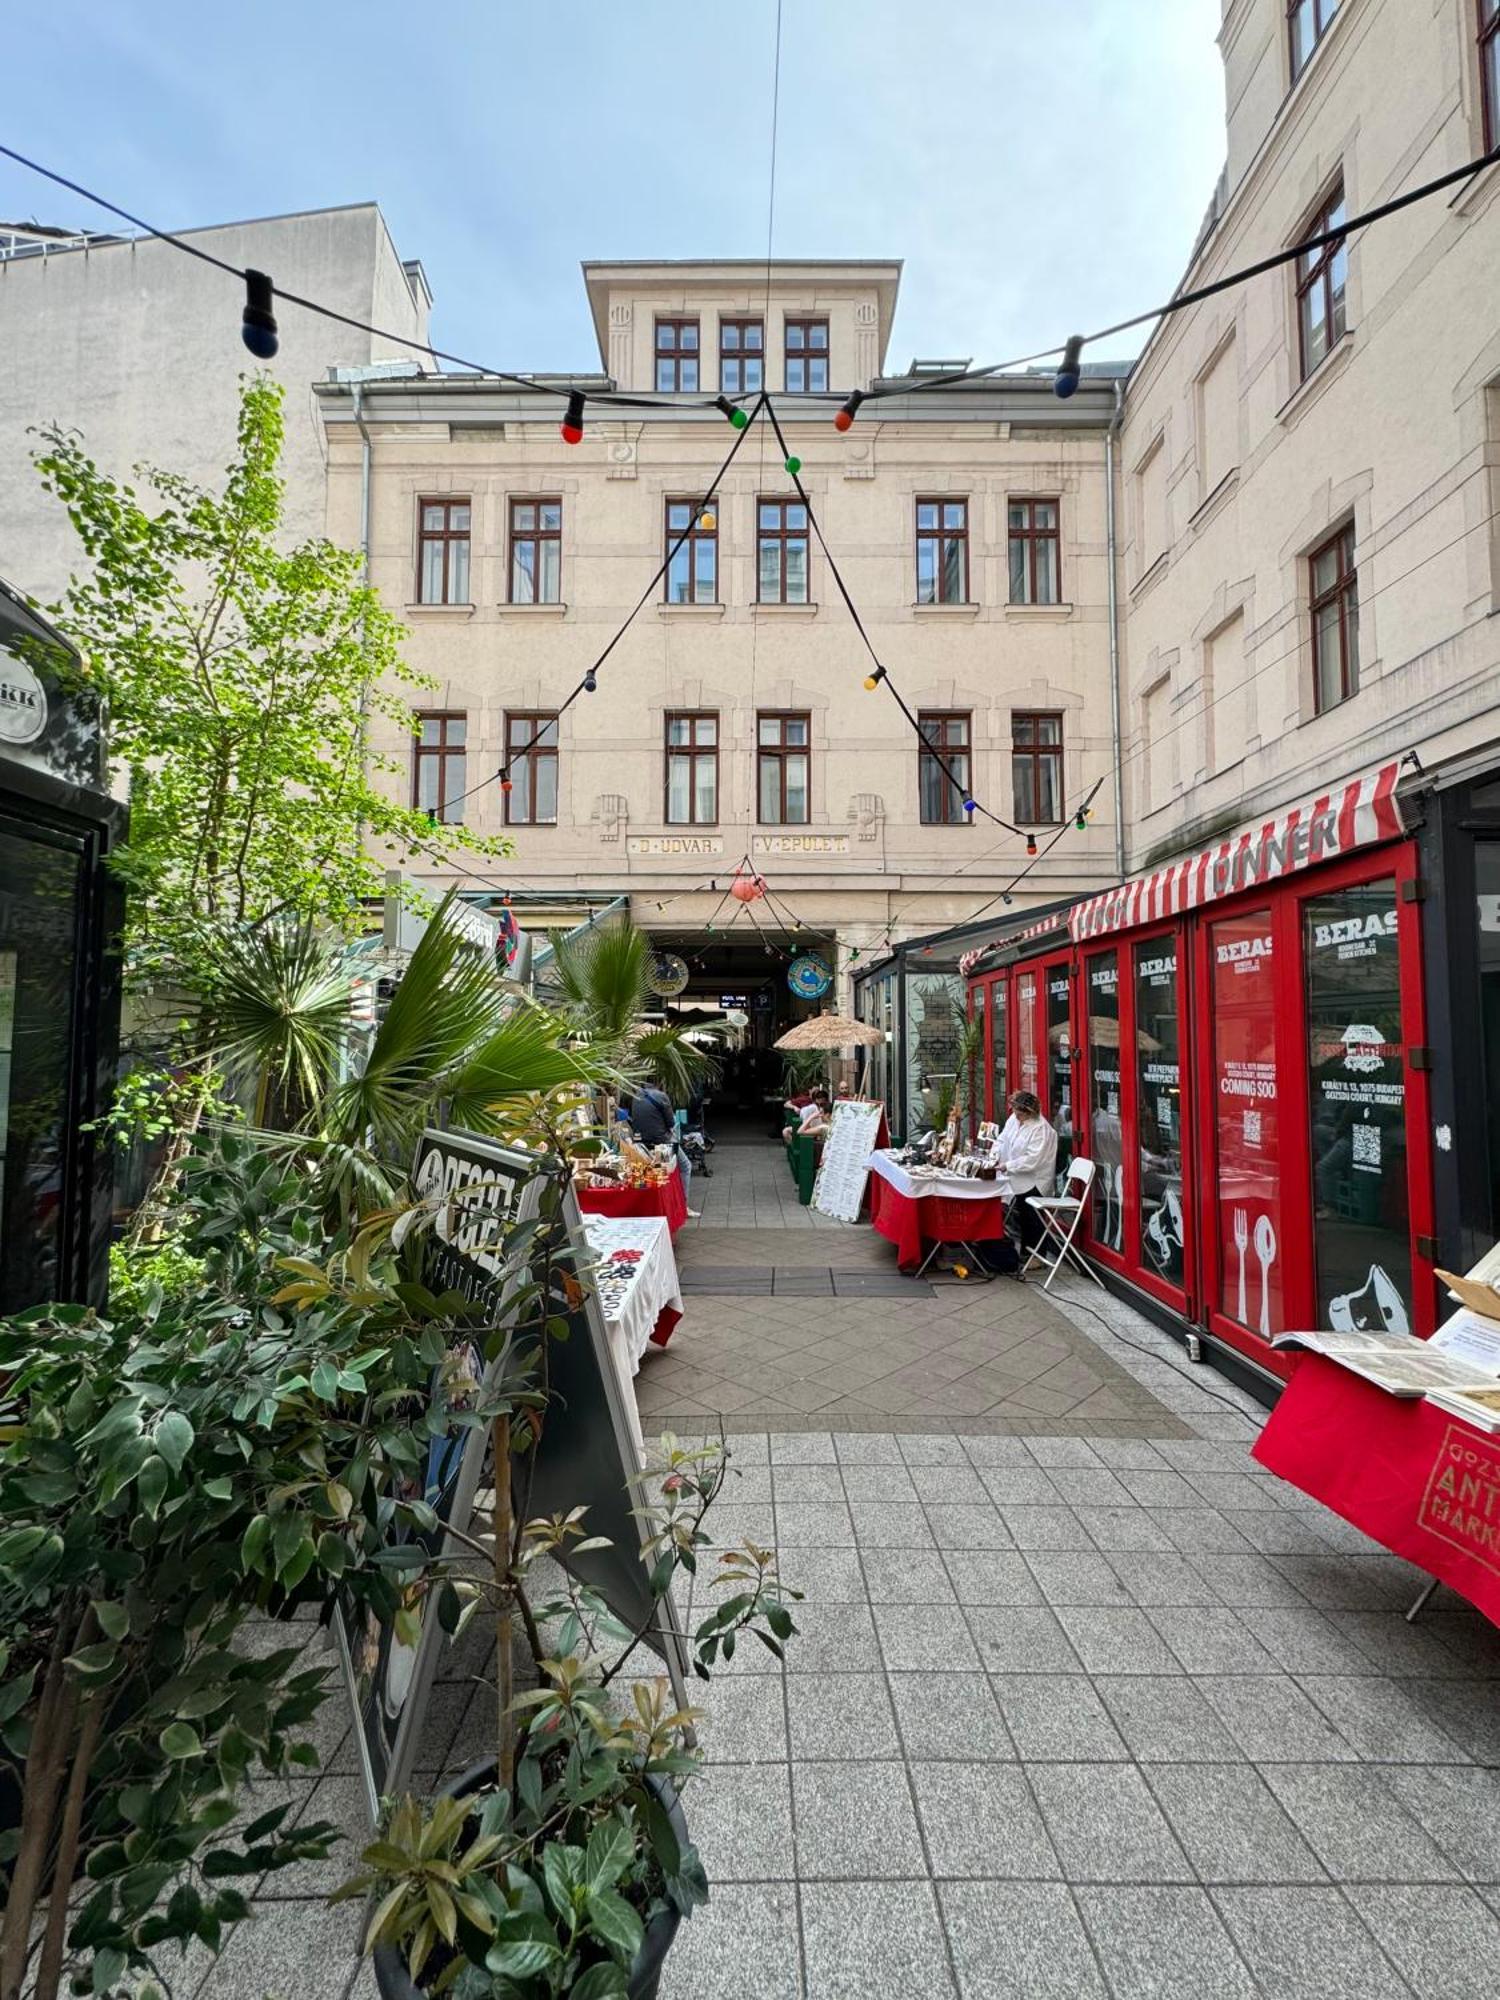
[(1041, 166)]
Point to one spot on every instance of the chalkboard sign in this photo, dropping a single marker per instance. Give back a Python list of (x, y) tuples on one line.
[(853, 1134), (586, 1456)]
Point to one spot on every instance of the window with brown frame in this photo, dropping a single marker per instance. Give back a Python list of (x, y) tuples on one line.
[(531, 759), (943, 765), (942, 551), (1307, 22), (1334, 606), (1035, 551), (443, 551), (742, 356), (781, 552), (676, 354), (692, 768), (1489, 71), (693, 551), (1322, 276), (806, 357), (438, 764), (535, 551), (1036, 766), (783, 769)]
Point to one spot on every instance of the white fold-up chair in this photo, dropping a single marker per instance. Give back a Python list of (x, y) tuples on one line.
[(1060, 1215)]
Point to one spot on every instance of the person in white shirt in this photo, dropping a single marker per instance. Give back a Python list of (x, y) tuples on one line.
[(1028, 1161)]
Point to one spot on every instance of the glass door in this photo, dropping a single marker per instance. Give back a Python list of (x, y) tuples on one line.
[(1057, 1104), (1027, 1036), (1105, 1128), (1160, 1201)]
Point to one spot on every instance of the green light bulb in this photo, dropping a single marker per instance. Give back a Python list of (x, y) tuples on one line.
[(794, 466), (740, 418)]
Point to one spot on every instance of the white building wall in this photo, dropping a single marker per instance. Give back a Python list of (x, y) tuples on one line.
[(1396, 430), (138, 347)]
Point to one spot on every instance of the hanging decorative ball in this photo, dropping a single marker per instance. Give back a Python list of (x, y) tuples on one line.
[(747, 888), (794, 466)]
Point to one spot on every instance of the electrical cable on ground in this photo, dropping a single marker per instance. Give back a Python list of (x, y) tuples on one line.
[(1082, 1305)]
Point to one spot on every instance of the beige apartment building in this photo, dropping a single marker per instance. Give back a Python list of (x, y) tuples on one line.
[(1310, 560), (731, 727)]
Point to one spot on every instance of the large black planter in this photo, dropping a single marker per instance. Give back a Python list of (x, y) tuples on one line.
[(396, 1983)]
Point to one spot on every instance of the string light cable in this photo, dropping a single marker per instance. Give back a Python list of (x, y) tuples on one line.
[(260, 331), (880, 674), (590, 681), (1071, 350)]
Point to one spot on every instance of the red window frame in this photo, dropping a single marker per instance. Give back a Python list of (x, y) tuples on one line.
[(1192, 938), (989, 1102), (1294, 1164)]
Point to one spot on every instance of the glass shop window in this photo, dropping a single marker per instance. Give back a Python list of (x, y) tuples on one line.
[(1487, 915), (1102, 982), (1246, 1123), (997, 1051), (1028, 1069), (1060, 1063), (1158, 1054), (1357, 1098)]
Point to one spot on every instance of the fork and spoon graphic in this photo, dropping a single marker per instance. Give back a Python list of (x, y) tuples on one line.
[(1264, 1240)]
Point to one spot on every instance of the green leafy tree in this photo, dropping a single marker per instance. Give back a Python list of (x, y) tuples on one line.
[(240, 677)]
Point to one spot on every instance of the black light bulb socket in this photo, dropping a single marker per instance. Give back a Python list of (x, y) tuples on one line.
[(590, 681), (848, 410), (1069, 369), (258, 327), (725, 407)]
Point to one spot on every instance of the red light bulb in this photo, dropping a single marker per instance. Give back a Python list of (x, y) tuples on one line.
[(572, 423), (1031, 846)]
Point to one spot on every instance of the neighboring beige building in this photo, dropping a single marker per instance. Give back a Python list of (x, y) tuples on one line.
[(732, 720), (138, 348), (1310, 462)]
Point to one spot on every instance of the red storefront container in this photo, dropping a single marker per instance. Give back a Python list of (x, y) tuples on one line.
[(1238, 1041)]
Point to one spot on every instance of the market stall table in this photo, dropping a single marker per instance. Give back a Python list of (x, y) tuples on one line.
[(942, 1208), (1422, 1483), (666, 1200), (639, 1294)]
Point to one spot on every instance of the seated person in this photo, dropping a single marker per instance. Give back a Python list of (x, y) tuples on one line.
[(812, 1116), (1028, 1162)]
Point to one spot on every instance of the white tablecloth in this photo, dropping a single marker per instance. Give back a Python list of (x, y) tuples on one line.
[(952, 1187), (633, 1291)]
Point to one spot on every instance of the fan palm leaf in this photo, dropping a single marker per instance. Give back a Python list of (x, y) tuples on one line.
[(277, 1012)]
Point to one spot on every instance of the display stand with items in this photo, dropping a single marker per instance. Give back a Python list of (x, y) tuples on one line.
[(632, 1181), (1401, 1437), (931, 1192)]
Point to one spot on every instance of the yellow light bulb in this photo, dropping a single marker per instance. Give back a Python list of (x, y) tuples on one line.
[(708, 521), (871, 683)]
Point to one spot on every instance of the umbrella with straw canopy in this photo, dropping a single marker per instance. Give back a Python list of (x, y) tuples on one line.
[(830, 1032)]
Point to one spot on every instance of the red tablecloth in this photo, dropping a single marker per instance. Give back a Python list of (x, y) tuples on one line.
[(667, 1200), (905, 1221), (1423, 1484)]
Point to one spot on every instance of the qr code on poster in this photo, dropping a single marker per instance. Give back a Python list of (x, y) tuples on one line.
[(1252, 1128), (1365, 1140)]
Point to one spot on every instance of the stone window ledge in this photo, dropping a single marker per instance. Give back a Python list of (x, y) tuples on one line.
[(690, 611), (1307, 392), (1039, 611), (945, 610), (439, 610), (508, 610)]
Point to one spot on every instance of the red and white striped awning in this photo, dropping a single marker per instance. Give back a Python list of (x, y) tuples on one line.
[(1322, 828)]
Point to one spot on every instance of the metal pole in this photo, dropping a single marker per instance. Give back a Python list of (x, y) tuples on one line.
[(1110, 436)]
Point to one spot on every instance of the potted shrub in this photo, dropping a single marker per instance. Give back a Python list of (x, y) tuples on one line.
[(561, 1865), (164, 1477)]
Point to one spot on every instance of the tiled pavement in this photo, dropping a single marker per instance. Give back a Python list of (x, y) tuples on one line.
[(1068, 1715)]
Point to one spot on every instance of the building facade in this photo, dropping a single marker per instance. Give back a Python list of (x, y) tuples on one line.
[(138, 348), (1278, 1041), (730, 726)]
